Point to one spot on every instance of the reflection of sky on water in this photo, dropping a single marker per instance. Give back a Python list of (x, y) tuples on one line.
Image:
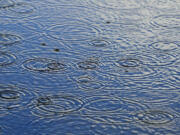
[(89, 67)]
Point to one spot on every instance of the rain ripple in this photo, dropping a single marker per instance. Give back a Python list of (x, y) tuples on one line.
[(105, 105), (166, 20), (7, 59), (73, 31), (72, 124), (165, 46), (91, 63), (155, 117), (17, 10), (55, 105), (13, 98), (44, 65), (8, 39), (88, 83), (110, 110), (115, 4), (6, 3), (126, 66)]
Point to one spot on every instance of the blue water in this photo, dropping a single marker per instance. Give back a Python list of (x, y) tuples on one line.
[(90, 67)]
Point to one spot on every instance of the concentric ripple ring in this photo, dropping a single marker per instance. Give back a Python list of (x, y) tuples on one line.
[(44, 65), (9, 39), (155, 117), (56, 105), (6, 59)]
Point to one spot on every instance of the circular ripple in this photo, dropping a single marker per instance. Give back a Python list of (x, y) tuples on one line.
[(105, 105), (165, 46), (17, 11), (44, 65), (152, 96), (6, 3), (110, 110), (126, 66), (70, 125), (152, 58), (88, 64), (14, 98), (73, 31), (6, 59), (8, 39), (115, 4), (88, 83), (9, 95), (168, 21), (158, 58), (22, 8), (129, 62), (99, 43), (163, 4), (56, 105), (155, 117)]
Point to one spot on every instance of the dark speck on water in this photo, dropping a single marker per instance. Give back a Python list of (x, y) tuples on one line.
[(108, 22), (43, 44), (56, 50)]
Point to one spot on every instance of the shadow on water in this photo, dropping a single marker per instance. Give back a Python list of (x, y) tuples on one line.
[(89, 67)]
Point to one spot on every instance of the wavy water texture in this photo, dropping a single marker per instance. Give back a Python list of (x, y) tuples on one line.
[(89, 67)]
